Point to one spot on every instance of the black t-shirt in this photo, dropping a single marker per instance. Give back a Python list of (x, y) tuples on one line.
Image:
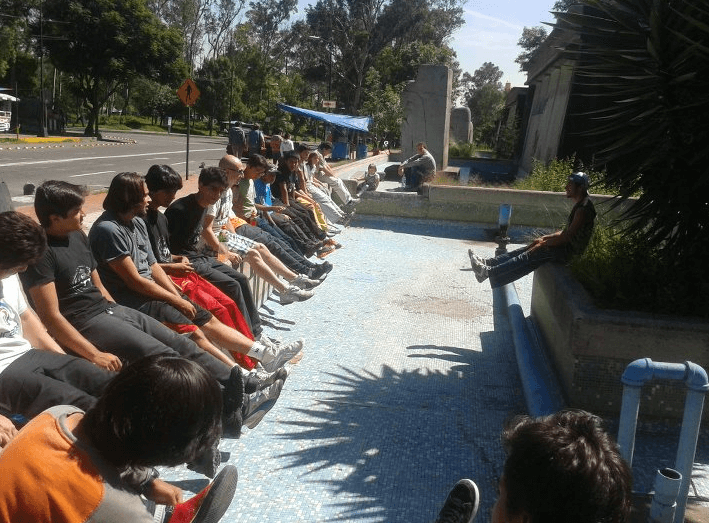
[(159, 235), (68, 263), (284, 176), (185, 220)]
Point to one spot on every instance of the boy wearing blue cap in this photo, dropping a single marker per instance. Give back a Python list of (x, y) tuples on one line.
[(558, 246)]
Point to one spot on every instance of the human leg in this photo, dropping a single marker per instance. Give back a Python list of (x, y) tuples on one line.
[(515, 267), (39, 379), (232, 283), (332, 212), (338, 187), (294, 261)]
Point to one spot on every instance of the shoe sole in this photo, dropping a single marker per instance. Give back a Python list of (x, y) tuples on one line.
[(258, 414), (217, 500)]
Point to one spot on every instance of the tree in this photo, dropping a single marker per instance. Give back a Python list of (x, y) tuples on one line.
[(105, 43), (352, 33), (649, 122), (220, 22), (383, 103), (531, 39), (266, 18), (484, 96)]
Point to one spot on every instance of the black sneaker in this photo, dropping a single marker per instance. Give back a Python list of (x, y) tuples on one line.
[(260, 380), (208, 462), (233, 397), (320, 271), (461, 505)]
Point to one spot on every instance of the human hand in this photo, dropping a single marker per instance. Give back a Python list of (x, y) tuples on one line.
[(7, 431), (183, 264), (163, 493), (235, 258), (107, 361), (186, 308)]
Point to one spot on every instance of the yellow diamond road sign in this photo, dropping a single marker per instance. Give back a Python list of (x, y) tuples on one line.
[(188, 93)]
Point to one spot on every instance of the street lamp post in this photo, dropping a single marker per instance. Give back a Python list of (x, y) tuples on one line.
[(43, 113)]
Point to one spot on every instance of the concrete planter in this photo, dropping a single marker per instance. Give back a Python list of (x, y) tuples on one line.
[(590, 347), (478, 205)]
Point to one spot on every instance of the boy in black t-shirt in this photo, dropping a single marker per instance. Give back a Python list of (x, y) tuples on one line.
[(80, 313)]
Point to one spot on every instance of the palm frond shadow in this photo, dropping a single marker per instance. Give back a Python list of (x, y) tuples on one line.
[(392, 444)]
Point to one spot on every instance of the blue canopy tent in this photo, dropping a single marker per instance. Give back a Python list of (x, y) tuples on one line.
[(353, 123)]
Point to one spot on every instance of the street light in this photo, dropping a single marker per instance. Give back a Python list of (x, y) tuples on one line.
[(43, 126)]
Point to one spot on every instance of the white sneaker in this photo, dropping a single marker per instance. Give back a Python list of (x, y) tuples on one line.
[(294, 293), (274, 357), (304, 282)]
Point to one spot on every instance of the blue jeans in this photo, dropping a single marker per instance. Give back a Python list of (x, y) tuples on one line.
[(511, 266), (414, 177)]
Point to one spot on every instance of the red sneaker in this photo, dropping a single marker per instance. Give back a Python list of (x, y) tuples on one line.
[(209, 505)]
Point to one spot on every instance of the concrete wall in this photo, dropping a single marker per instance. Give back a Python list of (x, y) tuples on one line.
[(590, 347), (461, 130), (477, 205), (546, 120), (427, 107)]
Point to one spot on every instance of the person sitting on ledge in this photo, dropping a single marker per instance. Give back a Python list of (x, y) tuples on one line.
[(559, 246), (419, 169), (71, 466), (559, 468)]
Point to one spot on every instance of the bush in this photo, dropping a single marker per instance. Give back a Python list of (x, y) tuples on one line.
[(622, 271), (461, 150), (553, 177)]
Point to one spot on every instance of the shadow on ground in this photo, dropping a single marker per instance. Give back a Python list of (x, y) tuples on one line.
[(369, 436)]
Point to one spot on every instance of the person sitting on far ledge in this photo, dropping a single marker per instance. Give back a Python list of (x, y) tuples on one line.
[(559, 468), (419, 169), (559, 246)]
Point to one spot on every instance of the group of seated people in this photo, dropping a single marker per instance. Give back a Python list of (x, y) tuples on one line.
[(145, 284), (147, 346)]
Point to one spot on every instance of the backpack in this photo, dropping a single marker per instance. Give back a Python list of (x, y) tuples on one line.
[(237, 136), (255, 140)]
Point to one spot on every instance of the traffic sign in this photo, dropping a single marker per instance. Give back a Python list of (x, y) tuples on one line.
[(329, 103), (188, 92)]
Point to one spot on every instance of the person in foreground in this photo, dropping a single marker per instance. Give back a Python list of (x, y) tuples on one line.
[(559, 468), (559, 246), (70, 466)]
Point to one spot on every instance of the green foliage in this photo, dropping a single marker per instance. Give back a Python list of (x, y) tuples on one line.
[(647, 108), (531, 39), (105, 43), (383, 104), (461, 150), (623, 271), (553, 177)]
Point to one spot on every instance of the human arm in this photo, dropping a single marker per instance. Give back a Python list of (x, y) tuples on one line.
[(36, 333), (7, 431), (179, 264), (564, 236), (211, 240), (163, 493), (159, 288), (46, 303)]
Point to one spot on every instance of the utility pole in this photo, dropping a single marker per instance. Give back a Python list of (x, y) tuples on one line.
[(43, 113)]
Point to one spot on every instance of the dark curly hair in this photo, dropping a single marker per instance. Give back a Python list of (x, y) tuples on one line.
[(159, 410), (23, 240), (564, 467)]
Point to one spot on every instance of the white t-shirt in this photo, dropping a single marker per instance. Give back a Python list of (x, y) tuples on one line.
[(12, 305), (286, 146), (222, 210)]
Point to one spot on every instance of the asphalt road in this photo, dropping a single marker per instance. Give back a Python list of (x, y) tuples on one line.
[(96, 166)]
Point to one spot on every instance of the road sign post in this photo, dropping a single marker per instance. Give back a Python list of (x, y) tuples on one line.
[(188, 94)]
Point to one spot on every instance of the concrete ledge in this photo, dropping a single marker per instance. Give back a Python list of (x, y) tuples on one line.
[(479, 205), (590, 347)]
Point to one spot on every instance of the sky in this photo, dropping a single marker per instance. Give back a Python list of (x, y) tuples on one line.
[(490, 33)]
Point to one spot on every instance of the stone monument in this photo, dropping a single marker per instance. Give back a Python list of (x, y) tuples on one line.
[(427, 108), (461, 125)]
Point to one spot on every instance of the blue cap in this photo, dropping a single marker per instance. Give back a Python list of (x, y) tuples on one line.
[(581, 179)]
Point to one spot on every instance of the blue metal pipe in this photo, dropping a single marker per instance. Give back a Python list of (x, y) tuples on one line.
[(695, 378), (542, 392)]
